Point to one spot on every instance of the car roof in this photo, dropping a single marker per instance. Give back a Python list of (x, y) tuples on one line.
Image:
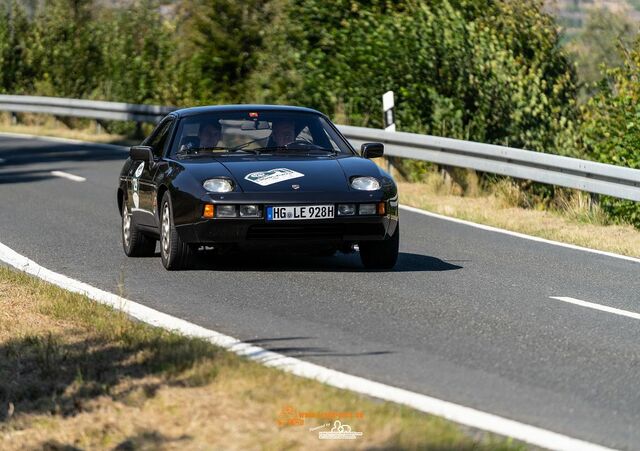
[(184, 112)]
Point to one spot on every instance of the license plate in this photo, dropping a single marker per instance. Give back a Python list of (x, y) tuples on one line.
[(300, 212)]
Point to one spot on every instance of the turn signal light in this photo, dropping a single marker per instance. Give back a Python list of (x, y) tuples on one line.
[(208, 211), (382, 208)]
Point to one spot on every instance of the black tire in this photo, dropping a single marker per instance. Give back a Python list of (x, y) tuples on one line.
[(175, 253), (381, 254), (134, 242)]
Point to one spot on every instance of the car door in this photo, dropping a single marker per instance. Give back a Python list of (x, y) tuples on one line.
[(145, 174)]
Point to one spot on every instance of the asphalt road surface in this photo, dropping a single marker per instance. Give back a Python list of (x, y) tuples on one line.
[(466, 315)]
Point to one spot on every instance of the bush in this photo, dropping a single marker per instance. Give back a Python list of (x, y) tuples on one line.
[(611, 126)]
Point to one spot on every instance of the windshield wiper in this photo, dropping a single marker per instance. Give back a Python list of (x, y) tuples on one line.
[(331, 151), (242, 146), (208, 151), (197, 150), (301, 149)]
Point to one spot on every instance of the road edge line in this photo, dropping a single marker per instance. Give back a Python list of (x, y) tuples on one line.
[(459, 414), (518, 234)]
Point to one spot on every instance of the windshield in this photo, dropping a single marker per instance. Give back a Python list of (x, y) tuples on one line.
[(256, 132)]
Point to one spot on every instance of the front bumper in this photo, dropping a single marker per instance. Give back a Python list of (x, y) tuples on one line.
[(259, 231)]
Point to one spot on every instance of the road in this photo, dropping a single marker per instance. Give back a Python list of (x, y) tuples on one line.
[(466, 316)]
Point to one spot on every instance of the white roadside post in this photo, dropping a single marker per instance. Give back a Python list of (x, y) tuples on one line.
[(389, 118), (388, 110)]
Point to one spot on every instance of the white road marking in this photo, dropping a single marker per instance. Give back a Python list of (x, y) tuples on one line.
[(602, 308), (66, 175), (518, 235), (454, 412)]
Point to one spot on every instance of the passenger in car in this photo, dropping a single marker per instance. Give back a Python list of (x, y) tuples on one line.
[(283, 133)]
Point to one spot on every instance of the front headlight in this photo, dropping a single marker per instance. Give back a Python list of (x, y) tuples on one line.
[(365, 183), (218, 185)]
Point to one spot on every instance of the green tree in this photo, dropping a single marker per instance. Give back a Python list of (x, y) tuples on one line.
[(138, 55), (15, 74), (64, 48), (598, 44), (611, 125), (219, 42), (485, 70)]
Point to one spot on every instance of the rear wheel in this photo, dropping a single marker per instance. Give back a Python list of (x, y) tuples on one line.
[(381, 254), (175, 253), (134, 242)]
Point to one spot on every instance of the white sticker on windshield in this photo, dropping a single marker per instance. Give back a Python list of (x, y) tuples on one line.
[(265, 178)]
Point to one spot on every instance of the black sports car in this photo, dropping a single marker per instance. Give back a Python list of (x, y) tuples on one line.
[(268, 177)]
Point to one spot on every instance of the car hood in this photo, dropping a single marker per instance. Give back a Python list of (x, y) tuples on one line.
[(257, 174)]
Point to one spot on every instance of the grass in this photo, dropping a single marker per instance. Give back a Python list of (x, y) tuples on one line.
[(75, 374)]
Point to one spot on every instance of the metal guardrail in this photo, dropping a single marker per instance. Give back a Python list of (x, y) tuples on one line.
[(93, 109), (540, 167), (600, 178)]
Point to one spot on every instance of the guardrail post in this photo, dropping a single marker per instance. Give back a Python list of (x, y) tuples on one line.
[(389, 165), (138, 133), (594, 201), (14, 118), (445, 173)]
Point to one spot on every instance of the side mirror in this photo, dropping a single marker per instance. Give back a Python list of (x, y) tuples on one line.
[(372, 150), (141, 153)]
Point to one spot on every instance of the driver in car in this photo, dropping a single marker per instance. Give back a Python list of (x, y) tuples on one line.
[(209, 135)]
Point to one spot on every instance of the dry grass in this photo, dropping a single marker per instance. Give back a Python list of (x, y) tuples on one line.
[(75, 374), (570, 219)]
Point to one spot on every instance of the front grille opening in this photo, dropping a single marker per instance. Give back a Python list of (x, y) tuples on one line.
[(295, 232), (280, 232)]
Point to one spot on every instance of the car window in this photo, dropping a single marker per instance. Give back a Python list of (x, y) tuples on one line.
[(331, 136), (159, 138), (255, 130)]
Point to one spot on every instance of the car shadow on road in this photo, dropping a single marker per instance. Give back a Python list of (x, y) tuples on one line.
[(278, 262), (13, 177), (16, 153)]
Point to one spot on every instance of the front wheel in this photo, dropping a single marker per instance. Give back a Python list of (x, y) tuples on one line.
[(381, 254), (175, 253)]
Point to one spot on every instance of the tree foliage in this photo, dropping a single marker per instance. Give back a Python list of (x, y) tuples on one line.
[(599, 44), (490, 71), (223, 39), (611, 127)]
